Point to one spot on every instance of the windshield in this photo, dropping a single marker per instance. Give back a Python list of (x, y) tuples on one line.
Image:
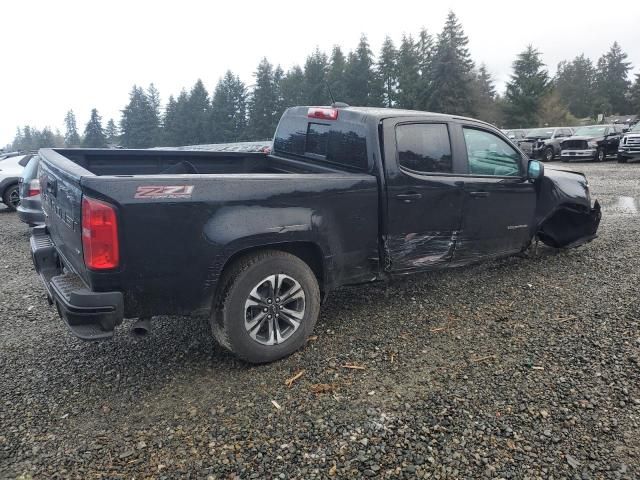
[(540, 133), (593, 131)]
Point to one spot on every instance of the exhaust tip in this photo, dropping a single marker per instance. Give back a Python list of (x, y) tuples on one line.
[(141, 328)]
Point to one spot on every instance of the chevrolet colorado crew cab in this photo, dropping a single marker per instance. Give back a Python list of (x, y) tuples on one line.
[(255, 240)]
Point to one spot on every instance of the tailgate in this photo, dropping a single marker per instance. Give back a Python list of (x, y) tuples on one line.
[(61, 204)]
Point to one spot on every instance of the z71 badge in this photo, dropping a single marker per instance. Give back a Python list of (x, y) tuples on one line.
[(166, 191)]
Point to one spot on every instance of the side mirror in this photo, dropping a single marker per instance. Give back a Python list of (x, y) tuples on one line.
[(535, 170)]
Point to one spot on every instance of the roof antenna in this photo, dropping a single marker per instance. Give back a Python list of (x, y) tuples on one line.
[(335, 104), (333, 100)]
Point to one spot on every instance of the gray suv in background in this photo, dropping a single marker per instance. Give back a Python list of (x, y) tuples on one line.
[(30, 207), (544, 143)]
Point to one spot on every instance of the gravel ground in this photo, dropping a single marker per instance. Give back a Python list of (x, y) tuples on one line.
[(519, 368)]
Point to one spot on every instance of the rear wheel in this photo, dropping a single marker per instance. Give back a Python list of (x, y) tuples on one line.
[(601, 155), (268, 306), (11, 197), (548, 154)]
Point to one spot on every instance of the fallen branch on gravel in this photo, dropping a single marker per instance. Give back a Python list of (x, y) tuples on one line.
[(482, 359), (289, 381), (353, 366), (319, 388)]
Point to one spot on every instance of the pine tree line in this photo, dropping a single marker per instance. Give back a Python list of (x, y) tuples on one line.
[(423, 73)]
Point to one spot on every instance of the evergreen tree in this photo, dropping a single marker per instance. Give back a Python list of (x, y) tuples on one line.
[(44, 139), (612, 80), (634, 96), (529, 84), (408, 74), (18, 140), (137, 126), (484, 97), (154, 98), (175, 121), (336, 74), (196, 116), (315, 75), (28, 143), (278, 77), (292, 88), (363, 85), (388, 71), (451, 72), (263, 103), (553, 112), (94, 136), (71, 137), (575, 84), (229, 110), (111, 132), (424, 50)]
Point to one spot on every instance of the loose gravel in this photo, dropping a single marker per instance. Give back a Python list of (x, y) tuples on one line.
[(527, 367)]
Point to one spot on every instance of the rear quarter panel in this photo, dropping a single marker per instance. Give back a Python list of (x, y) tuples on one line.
[(174, 249)]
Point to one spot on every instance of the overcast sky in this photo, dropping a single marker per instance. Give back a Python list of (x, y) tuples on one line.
[(63, 54)]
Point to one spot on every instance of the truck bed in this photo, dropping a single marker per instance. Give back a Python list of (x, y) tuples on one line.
[(181, 214), (163, 162)]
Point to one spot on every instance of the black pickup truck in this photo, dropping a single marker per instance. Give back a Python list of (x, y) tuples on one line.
[(254, 241)]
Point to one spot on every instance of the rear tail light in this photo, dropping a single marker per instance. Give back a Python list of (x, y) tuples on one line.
[(34, 188), (323, 113), (99, 235)]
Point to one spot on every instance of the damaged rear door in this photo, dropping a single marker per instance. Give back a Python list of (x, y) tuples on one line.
[(424, 195)]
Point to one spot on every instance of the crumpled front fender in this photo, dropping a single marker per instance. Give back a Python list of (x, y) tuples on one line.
[(564, 215)]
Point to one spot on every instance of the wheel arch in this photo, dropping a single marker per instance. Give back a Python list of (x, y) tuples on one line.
[(308, 251)]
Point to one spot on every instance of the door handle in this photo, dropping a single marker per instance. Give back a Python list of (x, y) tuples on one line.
[(481, 194), (408, 197)]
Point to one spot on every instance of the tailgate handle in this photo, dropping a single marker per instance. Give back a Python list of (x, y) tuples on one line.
[(409, 197), (52, 185)]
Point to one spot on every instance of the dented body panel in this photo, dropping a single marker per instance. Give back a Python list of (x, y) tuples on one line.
[(351, 210)]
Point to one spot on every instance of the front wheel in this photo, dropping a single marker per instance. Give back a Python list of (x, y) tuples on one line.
[(601, 155), (621, 159), (548, 154), (268, 306), (11, 197)]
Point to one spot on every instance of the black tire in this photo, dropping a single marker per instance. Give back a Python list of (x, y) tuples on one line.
[(601, 155), (621, 159), (548, 155), (9, 197), (228, 318)]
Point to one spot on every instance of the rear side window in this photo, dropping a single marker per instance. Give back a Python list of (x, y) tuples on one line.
[(24, 161), (340, 143), (424, 147)]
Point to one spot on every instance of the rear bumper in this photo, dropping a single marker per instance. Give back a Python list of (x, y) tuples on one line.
[(30, 216), (89, 315)]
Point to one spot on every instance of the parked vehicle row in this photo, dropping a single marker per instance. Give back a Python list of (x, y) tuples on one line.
[(592, 142)]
